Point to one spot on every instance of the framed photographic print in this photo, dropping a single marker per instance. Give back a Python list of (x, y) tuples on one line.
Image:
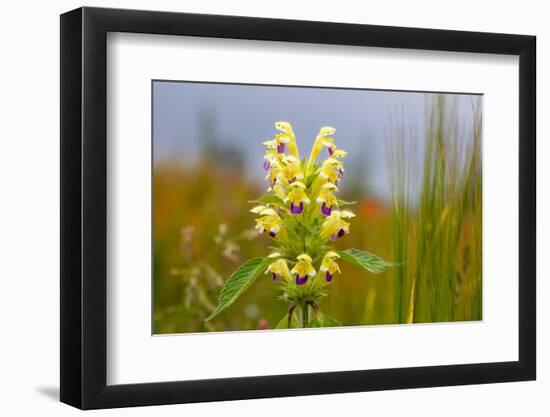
[(257, 207)]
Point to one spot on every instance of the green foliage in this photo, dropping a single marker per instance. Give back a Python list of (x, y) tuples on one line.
[(365, 260), (439, 237), (324, 320), (283, 323), (239, 282)]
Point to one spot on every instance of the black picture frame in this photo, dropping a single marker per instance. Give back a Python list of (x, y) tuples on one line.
[(84, 207)]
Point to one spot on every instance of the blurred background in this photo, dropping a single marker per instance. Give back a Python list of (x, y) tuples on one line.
[(414, 169)]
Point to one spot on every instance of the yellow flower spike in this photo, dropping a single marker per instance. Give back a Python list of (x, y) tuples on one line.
[(303, 269), (297, 197), (329, 266), (292, 170), (279, 269), (334, 226), (270, 223), (286, 137), (323, 139), (327, 199)]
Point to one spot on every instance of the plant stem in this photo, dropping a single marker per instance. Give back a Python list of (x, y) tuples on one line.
[(305, 314)]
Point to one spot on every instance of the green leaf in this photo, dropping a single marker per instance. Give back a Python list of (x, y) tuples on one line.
[(283, 323), (269, 199), (324, 320), (310, 179), (343, 203), (364, 260), (238, 282)]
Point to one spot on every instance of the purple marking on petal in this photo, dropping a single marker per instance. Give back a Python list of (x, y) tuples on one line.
[(341, 232), (341, 173), (271, 234), (328, 277), (296, 209), (275, 277), (332, 237), (330, 151), (326, 210), (281, 148), (301, 280), (267, 165)]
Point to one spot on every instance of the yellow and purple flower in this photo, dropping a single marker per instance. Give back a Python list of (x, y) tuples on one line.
[(297, 197), (286, 137), (292, 170), (278, 269), (327, 199), (301, 232), (270, 222), (335, 226), (303, 269), (329, 266)]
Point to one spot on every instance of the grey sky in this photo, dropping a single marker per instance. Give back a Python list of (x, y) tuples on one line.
[(242, 116)]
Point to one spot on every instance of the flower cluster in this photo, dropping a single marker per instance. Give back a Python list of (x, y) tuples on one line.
[(303, 217), (301, 212)]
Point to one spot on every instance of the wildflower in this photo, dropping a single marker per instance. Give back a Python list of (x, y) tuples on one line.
[(333, 163), (330, 175), (323, 139), (334, 226), (298, 239), (270, 222), (332, 170), (279, 269), (329, 266), (303, 269), (327, 198), (286, 137), (297, 197), (292, 170)]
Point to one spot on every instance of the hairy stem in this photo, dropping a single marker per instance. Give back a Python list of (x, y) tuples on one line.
[(305, 315)]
